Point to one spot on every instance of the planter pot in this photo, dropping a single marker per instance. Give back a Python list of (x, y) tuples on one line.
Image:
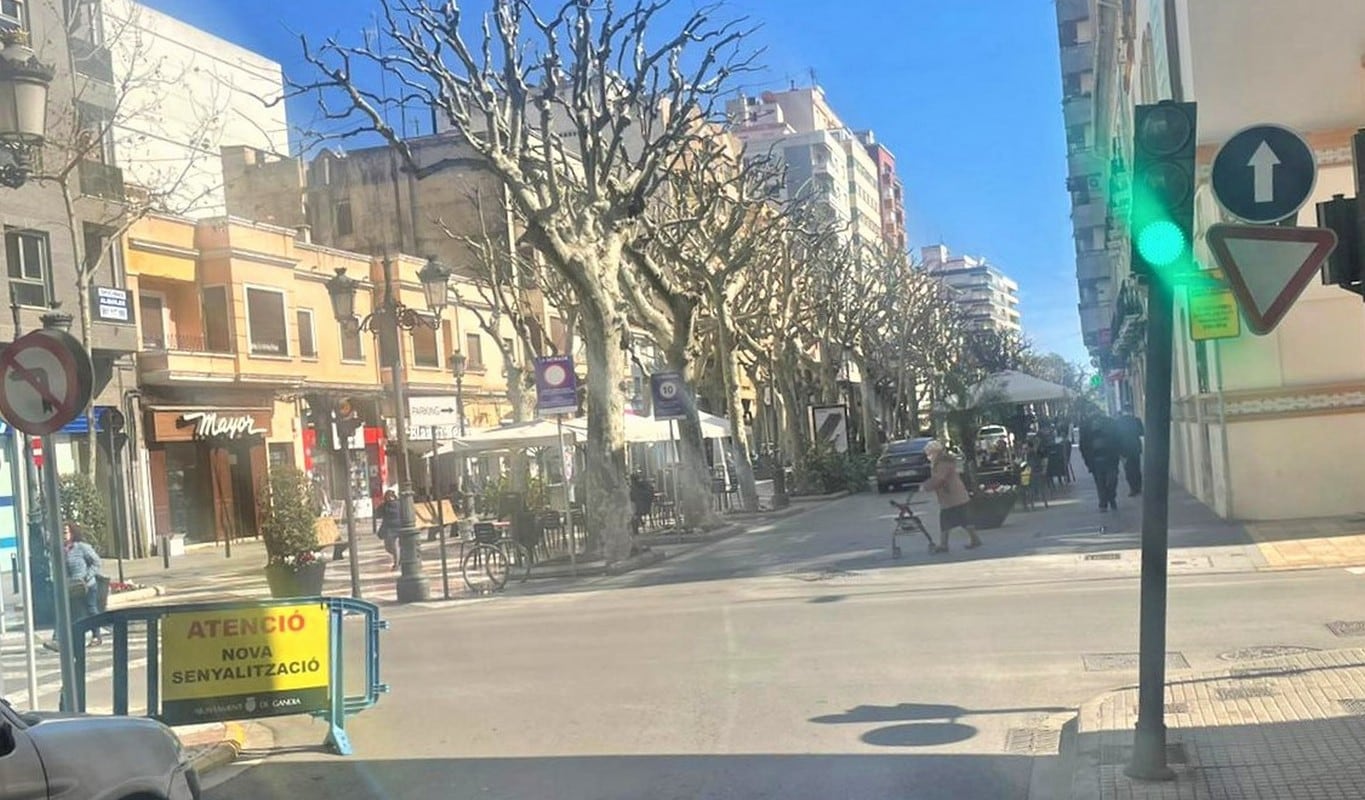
[(990, 510), (306, 581)]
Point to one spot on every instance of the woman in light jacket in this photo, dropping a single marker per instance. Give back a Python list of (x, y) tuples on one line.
[(953, 500)]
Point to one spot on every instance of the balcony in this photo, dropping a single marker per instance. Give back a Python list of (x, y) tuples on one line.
[(92, 60), (1095, 320), (167, 359), (1078, 58), (1090, 215), (101, 180), (1085, 161), (1093, 265), (1072, 10), (1078, 110)]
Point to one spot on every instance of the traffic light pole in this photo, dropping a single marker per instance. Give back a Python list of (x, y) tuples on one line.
[(1149, 742)]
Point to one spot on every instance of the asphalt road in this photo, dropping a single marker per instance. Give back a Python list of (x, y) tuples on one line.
[(798, 662)]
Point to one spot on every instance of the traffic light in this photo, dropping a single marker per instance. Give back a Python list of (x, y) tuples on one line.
[(1345, 266), (1163, 188)]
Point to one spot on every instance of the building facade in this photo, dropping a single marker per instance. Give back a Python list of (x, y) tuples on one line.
[(183, 93), (890, 190), (988, 297), (1238, 403)]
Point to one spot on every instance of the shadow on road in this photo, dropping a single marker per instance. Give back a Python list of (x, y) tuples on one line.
[(657, 777), (915, 728)]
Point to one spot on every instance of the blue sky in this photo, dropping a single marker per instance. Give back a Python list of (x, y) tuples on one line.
[(966, 93)]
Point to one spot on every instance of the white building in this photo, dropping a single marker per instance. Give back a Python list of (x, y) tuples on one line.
[(1265, 427), (182, 93), (989, 297), (822, 156)]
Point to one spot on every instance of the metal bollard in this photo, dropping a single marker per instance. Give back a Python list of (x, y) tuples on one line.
[(165, 552)]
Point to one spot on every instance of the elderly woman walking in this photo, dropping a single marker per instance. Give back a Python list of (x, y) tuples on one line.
[(952, 495)]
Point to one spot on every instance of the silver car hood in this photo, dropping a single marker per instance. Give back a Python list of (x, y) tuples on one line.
[(94, 758)]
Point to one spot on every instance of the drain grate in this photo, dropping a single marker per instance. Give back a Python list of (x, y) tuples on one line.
[(1257, 652), (1109, 662), (1103, 556), (1352, 705), (1244, 691), (1032, 741), (1350, 627)]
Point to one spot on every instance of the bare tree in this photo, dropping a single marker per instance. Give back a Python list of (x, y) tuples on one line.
[(582, 112)]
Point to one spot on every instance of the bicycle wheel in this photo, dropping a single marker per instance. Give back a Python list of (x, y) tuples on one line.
[(484, 569), (518, 559)]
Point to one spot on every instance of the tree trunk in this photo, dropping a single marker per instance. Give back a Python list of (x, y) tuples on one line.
[(608, 500), (88, 460), (739, 436), (523, 407), (869, 395)]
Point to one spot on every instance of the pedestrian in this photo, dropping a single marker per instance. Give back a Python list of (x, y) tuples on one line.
[(1130, 444), (82, 579), (389, 520), (1100, 450), (953, 500)]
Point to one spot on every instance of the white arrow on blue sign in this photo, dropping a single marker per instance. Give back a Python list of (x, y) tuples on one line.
[(1264, 173)]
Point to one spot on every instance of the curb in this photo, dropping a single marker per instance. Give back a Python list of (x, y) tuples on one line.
[(815, 498), (220, 754), (635, 562), (715, 535), (1050, 774), (124, 599)]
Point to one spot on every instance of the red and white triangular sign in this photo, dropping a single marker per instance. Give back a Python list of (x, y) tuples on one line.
[(1268, 266)]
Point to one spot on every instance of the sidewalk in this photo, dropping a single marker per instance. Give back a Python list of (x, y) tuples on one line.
[(1287, 727)]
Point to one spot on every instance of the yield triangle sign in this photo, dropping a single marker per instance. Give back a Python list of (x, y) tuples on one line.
[(1268, 267)]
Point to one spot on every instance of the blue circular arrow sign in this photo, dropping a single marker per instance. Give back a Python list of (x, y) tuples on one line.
[(1264, 174)]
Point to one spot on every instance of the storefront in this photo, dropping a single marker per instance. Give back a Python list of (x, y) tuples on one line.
[(209, 468)]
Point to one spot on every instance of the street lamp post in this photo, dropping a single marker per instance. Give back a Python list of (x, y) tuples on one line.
[(388, 318), (779, 468), (457, 367), (23, 107)]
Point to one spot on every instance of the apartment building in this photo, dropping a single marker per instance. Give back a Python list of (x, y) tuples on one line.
[(988, 297), (890, 191)]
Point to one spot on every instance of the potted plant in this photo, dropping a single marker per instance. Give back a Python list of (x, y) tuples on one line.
[(991, 504), (293, 568)]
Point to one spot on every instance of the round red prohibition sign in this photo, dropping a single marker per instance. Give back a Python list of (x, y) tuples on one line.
[(42, 383)]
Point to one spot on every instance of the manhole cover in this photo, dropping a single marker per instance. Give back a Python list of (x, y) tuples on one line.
[(1350, 627), (1245, 691), (1264, 651), (1103, 556), (1031, 741), (1108, 662)]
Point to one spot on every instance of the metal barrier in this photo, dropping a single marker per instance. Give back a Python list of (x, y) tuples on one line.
[(337, 704)]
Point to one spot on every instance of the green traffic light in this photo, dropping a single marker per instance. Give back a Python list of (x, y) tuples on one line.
[(1161, 243)]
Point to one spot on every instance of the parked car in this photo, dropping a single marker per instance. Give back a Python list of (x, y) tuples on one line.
[(989, 437), (903, 463), (88, 757)]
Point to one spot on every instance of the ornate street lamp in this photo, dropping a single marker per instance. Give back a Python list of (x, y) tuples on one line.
[(388, 317), (23, 107), (457, 366)]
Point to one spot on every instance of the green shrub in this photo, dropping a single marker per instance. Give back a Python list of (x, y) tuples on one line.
[(83, 503), (288, 525), (822, 470)]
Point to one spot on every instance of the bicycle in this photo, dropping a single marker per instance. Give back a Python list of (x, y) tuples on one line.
[(493, 560)]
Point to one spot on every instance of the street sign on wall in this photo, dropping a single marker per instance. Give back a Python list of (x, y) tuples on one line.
[(556, 386), (112, 305), (1213, 313), (831, 426), (1264, 173), (1268, 266)]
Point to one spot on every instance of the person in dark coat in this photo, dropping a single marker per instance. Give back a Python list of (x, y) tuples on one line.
[(390, 519), (1101, 450), (1130, 442)]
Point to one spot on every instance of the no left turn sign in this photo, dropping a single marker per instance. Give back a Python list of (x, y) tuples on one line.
[(45, 381)]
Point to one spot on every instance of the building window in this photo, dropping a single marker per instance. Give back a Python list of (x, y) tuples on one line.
[(424, 350), (267, 333), (217, 327), (281, 454), (151, 310), (30, 267), (12, 12), (350, 344), (473, 351), (96, 131), (308, 347), (341, 217)]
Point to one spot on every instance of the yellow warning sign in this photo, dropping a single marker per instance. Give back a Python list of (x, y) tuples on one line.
[(245, 662), (1213, 313)]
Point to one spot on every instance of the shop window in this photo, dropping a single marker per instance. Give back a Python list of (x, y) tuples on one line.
[(424, 350), (308, 347), (350, 344), (267, 334), (473, 352), (281, 454), (217, 328), (30, 267)]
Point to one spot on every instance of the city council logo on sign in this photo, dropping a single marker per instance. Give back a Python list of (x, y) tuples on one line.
[(244, 662)]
